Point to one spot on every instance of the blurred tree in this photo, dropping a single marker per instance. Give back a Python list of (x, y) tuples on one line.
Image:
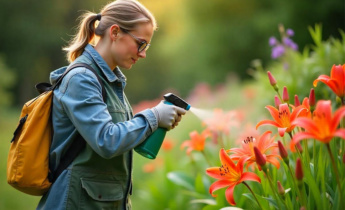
[(225, 36), (6, 81), (197, 40), (33, 35)]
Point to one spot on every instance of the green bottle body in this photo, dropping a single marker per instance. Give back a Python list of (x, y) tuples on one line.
[(151, 146)]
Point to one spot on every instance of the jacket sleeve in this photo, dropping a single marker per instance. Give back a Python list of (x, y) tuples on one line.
[(83, 103)]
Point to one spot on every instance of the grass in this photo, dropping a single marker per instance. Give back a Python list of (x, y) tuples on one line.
[(11, 198)]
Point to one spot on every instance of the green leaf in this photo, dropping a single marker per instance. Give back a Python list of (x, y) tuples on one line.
[(309, 179), (181, 179), (199, 185), (260, 198), (271, 201)]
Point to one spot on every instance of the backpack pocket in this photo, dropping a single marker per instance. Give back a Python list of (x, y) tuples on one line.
[(100, 194)]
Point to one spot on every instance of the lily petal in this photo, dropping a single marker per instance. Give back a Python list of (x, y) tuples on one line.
[(214, 172), (324, 108), (226, 160), (338, 115), (321, 78), (296, 112), (340, 133), (299, 137), (250, 176), (281, 131), (267, 122), (218, 185), (337, 73), (273, 159), (229, 194), (185, 144), (306, 123), (262, 143), (335, 87), (274, 112)]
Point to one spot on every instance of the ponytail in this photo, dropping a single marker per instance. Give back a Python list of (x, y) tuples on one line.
[(86, 31), (125, 13)]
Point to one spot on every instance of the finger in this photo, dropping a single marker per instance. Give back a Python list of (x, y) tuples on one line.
[(178, 118), (180, 110), (175, 124)]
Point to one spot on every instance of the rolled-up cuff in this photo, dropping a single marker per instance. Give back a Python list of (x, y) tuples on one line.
[(150, 118)]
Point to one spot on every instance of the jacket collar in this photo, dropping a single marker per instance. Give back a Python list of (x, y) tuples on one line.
[(111, 75)]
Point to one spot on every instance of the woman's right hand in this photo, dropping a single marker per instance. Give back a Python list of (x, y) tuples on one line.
[(167, 115)]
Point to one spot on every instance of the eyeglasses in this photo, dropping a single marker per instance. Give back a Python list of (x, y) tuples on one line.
[(143, 45)]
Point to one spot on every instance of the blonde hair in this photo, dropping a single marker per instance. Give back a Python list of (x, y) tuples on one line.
[(125, 13)]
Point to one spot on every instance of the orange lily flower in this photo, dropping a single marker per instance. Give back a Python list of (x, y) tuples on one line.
[(307, 112), (229, 175), (222, 121), (282, 118), (323, 126), (196, 142), (336, 81), (265, 143)]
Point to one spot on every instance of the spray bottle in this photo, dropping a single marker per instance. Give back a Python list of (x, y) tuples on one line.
[(150, 147)]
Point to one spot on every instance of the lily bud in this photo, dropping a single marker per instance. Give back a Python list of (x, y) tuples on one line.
[(285, 95), (283, 153), (299, 171), (297, 102), (281, 190), (272, 80), (259, 158), (277, 102), (312, 99)]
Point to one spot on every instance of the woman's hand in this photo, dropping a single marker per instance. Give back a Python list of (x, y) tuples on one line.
[(168, 116)]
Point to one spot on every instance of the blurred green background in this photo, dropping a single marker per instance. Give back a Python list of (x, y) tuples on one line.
[(198, 41)]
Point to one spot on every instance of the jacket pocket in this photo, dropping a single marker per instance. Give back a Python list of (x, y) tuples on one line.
[(100, 194)]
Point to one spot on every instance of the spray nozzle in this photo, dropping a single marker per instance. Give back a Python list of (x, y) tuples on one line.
[(177, 101)]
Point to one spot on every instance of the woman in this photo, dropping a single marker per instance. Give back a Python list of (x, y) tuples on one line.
[(100, 176)]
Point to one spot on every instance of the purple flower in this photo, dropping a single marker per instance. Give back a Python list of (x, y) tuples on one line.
[(277, 51), (288, 42), (290, 32), (294, 46), (272, 41)]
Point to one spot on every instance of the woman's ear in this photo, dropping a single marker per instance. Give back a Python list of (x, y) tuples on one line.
[(114, 32)]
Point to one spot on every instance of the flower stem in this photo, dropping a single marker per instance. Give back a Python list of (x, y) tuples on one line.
[(293, 178), (252, 194), (336, 173), (280, 97), (207, 160), (220, 140), (273, 189)]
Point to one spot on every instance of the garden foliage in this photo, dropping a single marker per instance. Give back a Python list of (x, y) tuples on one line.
[(274, 143)]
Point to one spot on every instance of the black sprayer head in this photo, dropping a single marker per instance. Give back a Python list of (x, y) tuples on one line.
[(177, 101)]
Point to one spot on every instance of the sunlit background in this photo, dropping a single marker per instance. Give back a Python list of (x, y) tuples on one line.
[(198, 44)]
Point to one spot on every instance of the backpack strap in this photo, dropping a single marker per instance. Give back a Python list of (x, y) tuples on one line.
[(79, 143)]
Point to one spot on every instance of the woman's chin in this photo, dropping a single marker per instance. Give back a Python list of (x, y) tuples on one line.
[(127, 66)]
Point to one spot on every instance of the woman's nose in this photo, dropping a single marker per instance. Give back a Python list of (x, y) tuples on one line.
[(142, 54)]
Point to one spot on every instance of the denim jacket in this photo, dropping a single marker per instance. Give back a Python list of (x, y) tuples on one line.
[(100, 177)]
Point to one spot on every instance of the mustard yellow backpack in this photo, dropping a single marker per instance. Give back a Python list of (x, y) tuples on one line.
[(28, 158)]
